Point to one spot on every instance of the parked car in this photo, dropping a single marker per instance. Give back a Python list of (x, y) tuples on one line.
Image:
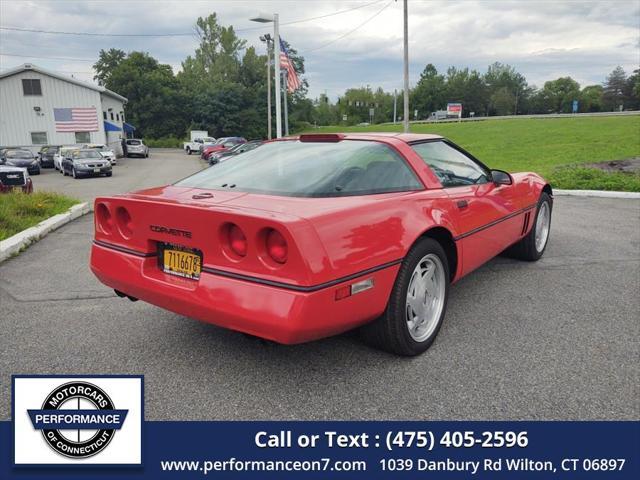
[(196, 144), (135, 146), (47, 155), (17, 157), (15, 178), (309, 237), (86, 163), (105, 151), (221, 144), (221, 155), (63, 153)]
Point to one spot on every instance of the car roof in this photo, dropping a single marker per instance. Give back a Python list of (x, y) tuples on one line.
[(405, 137)]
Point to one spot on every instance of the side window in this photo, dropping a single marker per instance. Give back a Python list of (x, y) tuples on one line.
[(83, 137), (39, 138), (31, 86), (452, 167)]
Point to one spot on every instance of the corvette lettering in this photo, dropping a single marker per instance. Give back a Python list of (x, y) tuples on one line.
[(170, 231)]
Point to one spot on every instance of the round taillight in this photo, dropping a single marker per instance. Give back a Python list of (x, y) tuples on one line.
[(277, 246), (237, 241), (104, 222), (123, 220)]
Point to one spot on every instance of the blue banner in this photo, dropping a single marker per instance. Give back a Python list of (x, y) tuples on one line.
[(367, 450)]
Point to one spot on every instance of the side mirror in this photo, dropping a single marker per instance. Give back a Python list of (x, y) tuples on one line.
[(500, 177)]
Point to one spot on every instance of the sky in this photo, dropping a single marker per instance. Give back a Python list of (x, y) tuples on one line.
[(361, 46)]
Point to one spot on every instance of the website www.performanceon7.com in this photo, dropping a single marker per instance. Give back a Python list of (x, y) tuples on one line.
[(236, 465)]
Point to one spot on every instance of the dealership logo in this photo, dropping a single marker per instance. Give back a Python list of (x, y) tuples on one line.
[(78, 419)]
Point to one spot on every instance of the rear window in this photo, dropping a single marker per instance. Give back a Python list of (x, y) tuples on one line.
[(311, 169), (86, 154), (19, 154), (134, 142)]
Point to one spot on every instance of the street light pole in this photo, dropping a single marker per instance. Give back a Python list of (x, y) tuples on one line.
[(267, 39), (276, 66), (405, 119), (265, 18)]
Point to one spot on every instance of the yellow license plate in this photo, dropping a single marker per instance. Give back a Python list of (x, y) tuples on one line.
[(183, 262)]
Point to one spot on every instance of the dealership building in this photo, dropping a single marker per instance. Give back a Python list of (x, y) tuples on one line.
[(41, 107)]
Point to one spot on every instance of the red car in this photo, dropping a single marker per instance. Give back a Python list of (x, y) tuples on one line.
[(221, 144), (308, 237)]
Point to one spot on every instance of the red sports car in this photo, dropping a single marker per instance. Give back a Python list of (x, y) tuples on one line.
[(308, 237)]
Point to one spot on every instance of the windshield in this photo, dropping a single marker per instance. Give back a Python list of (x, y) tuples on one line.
[(88, 154), (311, 169), (19, 154)]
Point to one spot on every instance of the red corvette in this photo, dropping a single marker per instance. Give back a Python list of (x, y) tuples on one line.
[(308, 237)]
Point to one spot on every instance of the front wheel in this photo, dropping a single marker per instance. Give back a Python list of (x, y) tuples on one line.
[(188, 151), (417, 304), (532, 246)]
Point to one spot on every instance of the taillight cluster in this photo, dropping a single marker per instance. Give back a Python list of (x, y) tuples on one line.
[(106, 222), (271, 246)]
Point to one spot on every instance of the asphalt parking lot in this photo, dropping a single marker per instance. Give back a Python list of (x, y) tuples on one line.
[(556, 339)]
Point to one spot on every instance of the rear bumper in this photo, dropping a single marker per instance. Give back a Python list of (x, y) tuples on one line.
[(275, 313)]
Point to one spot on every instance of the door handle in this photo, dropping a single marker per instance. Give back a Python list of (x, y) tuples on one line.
[(462, 204)]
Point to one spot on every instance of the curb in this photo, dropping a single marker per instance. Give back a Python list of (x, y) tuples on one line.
[(23, 239), (596, 193)]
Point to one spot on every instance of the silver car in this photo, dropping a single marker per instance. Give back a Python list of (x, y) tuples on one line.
[(136, 147)]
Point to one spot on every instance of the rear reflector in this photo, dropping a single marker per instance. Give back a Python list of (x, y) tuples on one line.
[(348, 290)]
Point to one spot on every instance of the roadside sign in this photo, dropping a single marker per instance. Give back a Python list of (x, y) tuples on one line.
[(344, 118), (454, 109)]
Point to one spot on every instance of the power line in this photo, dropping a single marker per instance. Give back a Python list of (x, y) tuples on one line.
[(178, 34), (49, 58), (350, 31)]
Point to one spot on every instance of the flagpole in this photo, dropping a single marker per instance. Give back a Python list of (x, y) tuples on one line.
[(286, 110)]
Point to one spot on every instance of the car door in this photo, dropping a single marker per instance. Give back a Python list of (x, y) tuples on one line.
[(486, 214)]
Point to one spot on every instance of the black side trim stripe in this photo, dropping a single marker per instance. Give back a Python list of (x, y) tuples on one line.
[(299, 288), (124, 249), (262, 281), (495, 222)]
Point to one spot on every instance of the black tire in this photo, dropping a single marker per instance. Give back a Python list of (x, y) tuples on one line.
[(526, 249), (109, 174), (188, 151), (390, 331)]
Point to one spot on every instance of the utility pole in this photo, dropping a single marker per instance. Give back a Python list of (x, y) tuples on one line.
[(395, 106), (286, 109), (405, 118)]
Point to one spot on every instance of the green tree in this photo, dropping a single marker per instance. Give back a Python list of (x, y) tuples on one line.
[(591, 98), (429, 93), (560, 93), (154, 100), (615, 88), (511, 84), (108, 60)]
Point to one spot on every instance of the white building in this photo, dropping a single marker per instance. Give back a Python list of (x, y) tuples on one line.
[(41, 107)]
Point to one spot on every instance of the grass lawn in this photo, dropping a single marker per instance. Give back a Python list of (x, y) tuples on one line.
[(19, 211), (554, 147)]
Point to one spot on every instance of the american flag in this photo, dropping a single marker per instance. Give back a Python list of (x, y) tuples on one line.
[(76, 119), (293, 82)]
